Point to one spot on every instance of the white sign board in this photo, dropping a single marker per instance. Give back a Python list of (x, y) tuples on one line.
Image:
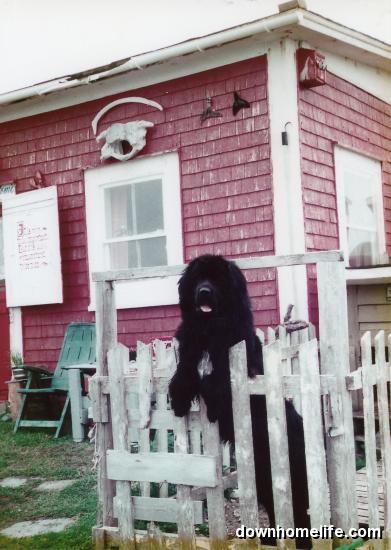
[(32, 248)]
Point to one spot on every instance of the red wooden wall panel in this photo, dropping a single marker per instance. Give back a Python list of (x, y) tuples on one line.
[(337, 113), (225, 183)]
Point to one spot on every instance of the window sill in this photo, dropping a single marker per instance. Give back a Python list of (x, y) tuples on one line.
[(162, 291), (368, 276)]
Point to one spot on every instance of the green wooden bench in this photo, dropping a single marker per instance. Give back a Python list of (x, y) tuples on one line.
[(78, 348)]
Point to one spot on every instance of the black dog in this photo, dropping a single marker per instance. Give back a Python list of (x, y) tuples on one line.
[(216, 314)]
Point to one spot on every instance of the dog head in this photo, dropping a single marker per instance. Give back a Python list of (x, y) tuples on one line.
[(211, 287)]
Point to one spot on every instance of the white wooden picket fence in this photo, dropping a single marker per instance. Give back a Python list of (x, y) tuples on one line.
[(129, 404)]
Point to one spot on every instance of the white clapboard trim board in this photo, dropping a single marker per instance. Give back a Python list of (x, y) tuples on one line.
[(185, 520), (369, 430), (313, 435), (32, 248), (118, 357), (278, 437), (161, 509), (334, 354), (243, 263), (384, 423), (144, 363), (215, 495), (243, 435)]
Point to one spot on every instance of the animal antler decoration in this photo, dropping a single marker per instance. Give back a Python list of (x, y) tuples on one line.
[(239, 103), (209, 112)]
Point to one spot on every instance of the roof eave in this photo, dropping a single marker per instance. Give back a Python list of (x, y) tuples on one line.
[(303, 25)]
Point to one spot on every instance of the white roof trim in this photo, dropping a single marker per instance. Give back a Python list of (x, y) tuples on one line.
[(301, 24)]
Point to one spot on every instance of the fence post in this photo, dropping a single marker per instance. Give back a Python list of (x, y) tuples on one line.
[(106, 337), (382, 378), (334, 354)]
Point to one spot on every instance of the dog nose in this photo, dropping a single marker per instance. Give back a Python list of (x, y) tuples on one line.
[(204, 291)]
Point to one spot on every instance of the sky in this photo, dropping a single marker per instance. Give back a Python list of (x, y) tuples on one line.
[(42, 40)]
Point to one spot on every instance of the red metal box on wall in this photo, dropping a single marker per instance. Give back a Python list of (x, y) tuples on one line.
[(311, 68)]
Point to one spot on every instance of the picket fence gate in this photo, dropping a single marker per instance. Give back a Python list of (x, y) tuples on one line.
[(128, 404)]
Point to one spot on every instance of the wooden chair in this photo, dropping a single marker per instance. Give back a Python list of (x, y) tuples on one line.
[(78, 348)]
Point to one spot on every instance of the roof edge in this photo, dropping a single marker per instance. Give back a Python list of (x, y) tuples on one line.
[(297, 17)]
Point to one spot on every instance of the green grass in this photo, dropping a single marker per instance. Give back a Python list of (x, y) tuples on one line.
[(37, 454)]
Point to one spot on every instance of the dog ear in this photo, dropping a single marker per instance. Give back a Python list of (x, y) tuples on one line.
[(185, 288), (239, 285)]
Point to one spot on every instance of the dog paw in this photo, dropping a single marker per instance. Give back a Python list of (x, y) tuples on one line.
[(212, 415)]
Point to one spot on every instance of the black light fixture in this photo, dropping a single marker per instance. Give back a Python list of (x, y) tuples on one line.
[(209, 112), (239, 103)]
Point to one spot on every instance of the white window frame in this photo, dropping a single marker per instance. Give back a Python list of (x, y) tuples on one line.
[(6, 190), (2, 262), (145, 292), (369, 166)]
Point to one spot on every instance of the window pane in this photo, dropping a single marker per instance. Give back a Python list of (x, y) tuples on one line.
[(362, 247), (361, 220), (123, 255), (119, 217), (153, 252), (149, 206)]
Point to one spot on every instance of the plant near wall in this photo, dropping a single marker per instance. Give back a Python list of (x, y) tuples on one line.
[(18, 372)]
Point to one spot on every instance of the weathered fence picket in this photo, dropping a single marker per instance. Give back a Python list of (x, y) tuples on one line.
[(369, 430), (313, 435), (244, 448), (161, 405), (278, 439), (185, 509), (117, 359), (384, 424), (214, 495), (144, 355)]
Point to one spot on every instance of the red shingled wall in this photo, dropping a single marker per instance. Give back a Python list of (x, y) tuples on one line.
[(225, 179), (337, 113)]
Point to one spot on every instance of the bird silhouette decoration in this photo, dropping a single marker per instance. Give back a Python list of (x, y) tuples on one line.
[(209, 111), (239, 103)]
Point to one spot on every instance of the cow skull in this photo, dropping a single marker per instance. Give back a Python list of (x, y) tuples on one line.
[(133, 133)]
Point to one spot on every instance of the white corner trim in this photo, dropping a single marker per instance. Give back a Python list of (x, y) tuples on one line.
[(287, 191), (16, 330)]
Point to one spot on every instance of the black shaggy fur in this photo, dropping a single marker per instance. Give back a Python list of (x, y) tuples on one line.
[(216, 314)]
